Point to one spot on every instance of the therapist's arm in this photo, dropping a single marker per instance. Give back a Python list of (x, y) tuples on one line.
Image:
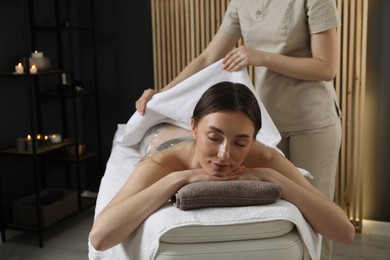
[(219, 46), (323, 64)]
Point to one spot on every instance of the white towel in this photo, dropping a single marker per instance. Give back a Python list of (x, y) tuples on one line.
[(176, 105), (169, 217)]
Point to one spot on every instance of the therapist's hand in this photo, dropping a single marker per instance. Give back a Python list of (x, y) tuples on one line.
[(241, 57), (140, 104)]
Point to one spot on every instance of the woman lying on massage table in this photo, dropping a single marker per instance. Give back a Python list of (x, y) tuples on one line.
[(224, 124)]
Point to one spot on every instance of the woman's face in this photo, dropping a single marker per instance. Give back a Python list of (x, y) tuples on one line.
[(223, 140)]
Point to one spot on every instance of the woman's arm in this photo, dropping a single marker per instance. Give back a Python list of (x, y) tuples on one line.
[(146, 190), (326, 217), (150, 186), (219, 46), (322, 65)]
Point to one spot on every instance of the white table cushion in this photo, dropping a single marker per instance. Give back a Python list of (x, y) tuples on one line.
[(288, 246), (220, 233)]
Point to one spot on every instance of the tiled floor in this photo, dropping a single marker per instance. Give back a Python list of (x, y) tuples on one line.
[(68, 241), (365, 246), (65, 241)]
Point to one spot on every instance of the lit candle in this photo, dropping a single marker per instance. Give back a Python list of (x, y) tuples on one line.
[(29, 143), (19, 68), (33, 69), (63, 79), (37, 54), (46, 140), (55, 138)]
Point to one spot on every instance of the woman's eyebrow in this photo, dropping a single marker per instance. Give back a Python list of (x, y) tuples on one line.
[(216, 129), (220, 131)]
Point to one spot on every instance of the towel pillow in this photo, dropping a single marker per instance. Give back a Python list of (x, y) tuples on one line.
[(226, 194)]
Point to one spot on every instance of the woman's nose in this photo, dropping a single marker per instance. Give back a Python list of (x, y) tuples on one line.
[(223, 152)]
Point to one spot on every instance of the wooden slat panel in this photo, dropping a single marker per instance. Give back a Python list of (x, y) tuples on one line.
[(172, 39), (187, 31), (363, 63), (168, 44), (177, 37), (163, 41), (207, 25), (154, 43), (350, 88), (182, 50), (212, 17)]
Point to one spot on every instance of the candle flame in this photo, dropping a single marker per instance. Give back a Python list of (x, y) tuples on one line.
[(29, 137), (19, 64)]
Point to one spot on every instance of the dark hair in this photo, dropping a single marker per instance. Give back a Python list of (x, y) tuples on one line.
[(228, 96)]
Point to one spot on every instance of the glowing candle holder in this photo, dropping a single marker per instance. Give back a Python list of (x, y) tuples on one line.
[(37, 54), (55, 138), (19, 69), (33, 69)]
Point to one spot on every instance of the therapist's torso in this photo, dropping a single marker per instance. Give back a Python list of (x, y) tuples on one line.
[(284, 27)]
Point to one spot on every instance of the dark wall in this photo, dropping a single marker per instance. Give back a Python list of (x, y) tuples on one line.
[(377, 178), (124, 65), (124, 61)]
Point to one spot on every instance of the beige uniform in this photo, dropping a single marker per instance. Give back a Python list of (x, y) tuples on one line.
[(305, 112), (283, 27)]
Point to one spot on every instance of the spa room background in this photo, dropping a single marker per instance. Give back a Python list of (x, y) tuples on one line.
[(125, 68)]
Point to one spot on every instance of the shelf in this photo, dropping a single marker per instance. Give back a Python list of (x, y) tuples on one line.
[(86, 202), (41, 73), (63, 29), (68, 95), (63, 40), (67, 158), (40, 149)]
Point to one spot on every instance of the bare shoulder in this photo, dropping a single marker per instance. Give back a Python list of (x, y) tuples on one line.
[(260, 155), (175, 158)]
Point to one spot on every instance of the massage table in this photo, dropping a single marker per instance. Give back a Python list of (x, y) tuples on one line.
[(273, 231)]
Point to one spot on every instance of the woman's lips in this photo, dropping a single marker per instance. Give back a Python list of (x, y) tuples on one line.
[(219, 167)]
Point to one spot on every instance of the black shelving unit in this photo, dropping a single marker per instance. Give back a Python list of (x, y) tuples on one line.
[(66, 53)]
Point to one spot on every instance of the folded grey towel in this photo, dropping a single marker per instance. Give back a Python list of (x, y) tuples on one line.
[(226, 194)]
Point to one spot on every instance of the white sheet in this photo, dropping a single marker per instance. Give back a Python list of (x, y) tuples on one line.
[(176, 106)]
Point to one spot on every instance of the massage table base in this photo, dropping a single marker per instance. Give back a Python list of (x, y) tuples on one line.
[(263, 240)]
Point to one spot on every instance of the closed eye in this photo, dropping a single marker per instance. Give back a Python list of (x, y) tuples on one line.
[(241, 144), (214, 139)]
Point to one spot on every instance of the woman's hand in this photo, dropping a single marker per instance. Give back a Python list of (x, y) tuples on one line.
[(241, 57), (198, 175), (258, 174), (140, 104)]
